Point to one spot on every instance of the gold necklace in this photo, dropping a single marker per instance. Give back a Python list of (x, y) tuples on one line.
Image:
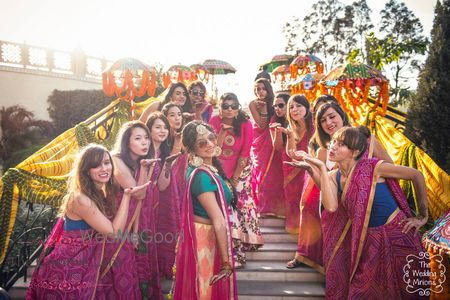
[(211, 168)]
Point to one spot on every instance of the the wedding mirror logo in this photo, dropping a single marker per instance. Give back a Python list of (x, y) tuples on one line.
[(418, 276)]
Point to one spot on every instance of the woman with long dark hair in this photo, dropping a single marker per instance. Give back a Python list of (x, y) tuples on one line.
[(266, 185), (234, 131), (277, 207), (204, 261), (134, 167), (298, 133)]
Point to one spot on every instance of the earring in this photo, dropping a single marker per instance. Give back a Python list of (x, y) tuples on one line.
[(196, 161), (218, 151)]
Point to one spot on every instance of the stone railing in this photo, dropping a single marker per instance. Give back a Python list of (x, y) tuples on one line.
[(45, 61)]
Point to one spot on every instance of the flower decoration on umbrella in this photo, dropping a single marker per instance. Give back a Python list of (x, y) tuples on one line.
[(351, 84), (128, 78), (276, 61), (280, 73), (177, 73), (308, 85), (304, 64), (438, 238), (200, 72)]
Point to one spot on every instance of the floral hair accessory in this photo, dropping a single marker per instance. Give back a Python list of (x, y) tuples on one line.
[(201, 129)]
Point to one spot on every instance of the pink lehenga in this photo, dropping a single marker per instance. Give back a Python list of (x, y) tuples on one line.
[(267, 181), (197, 258), (169, 216), (294, 179), (69, 266), (245, 226), (364, 262)]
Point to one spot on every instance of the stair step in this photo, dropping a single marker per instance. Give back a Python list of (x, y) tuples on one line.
[(273, 252), (271, 222), (19, 290), (263, 290), (278, 235), (277, 271)]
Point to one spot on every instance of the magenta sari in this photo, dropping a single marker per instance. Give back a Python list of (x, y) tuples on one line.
[(147, 256), (293, 186), (363, 262), (267, 185), (69, 266), (169, 216), (187, 267), (309, 243), (119, 279)]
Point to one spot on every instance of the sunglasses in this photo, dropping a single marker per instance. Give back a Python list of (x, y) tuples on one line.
[(198, 93), (279, 105), (227, 106), (204, 142)]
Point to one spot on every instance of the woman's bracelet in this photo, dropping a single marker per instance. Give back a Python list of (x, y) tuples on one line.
[(226, 266)]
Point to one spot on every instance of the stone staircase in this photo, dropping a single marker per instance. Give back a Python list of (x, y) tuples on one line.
[(264, 277)]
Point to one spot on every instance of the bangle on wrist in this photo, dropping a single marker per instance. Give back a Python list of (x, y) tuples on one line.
[(226, 266)]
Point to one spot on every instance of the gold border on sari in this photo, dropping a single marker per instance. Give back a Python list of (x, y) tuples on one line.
[(366, 217)]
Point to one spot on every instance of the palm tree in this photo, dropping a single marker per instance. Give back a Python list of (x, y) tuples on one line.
[(19, 129)]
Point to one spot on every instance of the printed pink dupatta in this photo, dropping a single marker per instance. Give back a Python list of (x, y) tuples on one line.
[(345, 231), (187, 268)]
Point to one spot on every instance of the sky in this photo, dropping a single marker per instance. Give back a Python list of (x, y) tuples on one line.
[(243, 33)]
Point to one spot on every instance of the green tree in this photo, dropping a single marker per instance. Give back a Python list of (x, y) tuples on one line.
[(428, 116), (68, 108), (402, 42), (329, 30), (19, 129)]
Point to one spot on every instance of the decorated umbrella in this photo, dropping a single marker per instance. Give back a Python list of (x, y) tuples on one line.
[(278, 60), (308, 85), (200, 72), (128, 78), (177, 73), (280, 72), (351, 84), (217, 67), (304, 64), (438, 238)]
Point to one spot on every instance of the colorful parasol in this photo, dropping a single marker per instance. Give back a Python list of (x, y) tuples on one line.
[(356, 72), (438, 238), (201, 72), (128, 78), (304, 64), (178, 73), (218, 67), (351, 85), (278, 60)]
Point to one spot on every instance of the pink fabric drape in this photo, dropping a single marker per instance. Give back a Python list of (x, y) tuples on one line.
[(169, 216), (187, 268), (267, 184), (353, 252), (294, 179)]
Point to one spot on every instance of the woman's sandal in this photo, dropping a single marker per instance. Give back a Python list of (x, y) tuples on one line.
[(292, 264)]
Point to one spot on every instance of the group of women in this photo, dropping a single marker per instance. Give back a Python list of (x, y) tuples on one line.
[(181, 193)]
